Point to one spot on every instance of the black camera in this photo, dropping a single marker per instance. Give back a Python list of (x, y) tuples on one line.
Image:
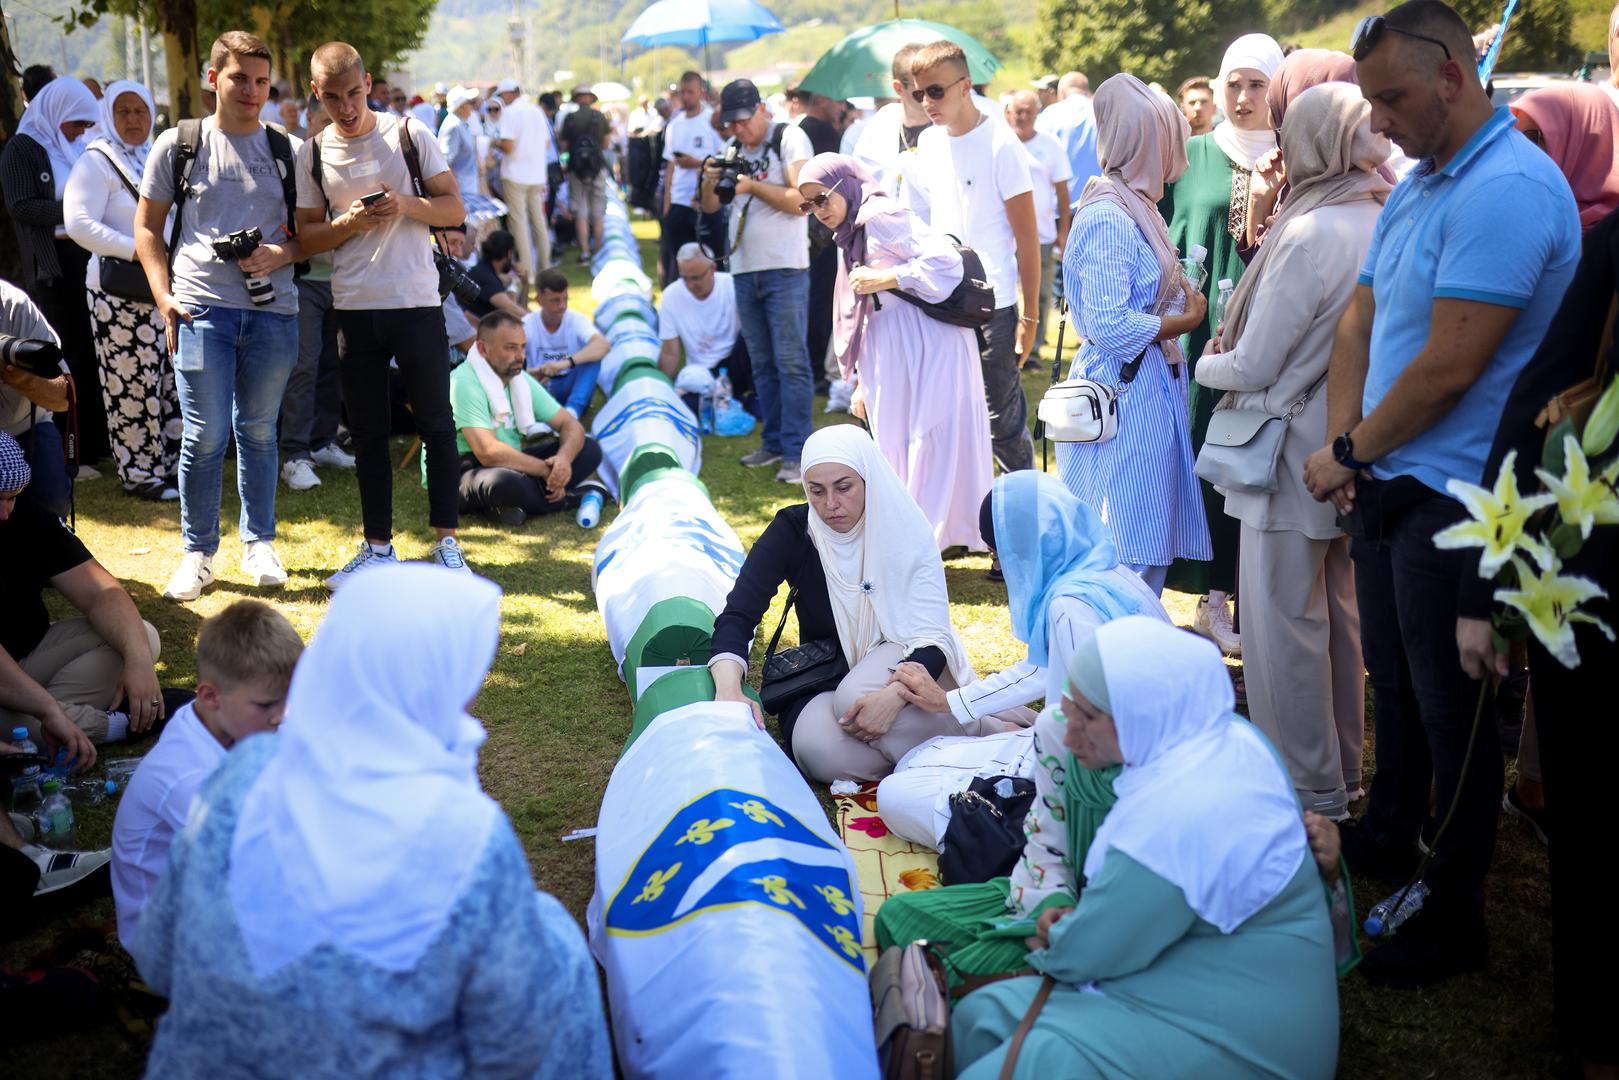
[(239, 245), (731, 168), (42, 358), (452, 278)]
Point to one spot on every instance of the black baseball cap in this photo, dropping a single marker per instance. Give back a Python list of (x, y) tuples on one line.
[(738, 101)]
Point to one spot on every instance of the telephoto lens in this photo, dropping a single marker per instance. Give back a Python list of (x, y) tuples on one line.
[(36, 357), (731, 167), (239, 245)]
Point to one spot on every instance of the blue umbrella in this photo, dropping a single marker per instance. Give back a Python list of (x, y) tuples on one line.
[(693, 23)]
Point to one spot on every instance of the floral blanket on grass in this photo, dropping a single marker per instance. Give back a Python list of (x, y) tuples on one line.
[(887, 864)]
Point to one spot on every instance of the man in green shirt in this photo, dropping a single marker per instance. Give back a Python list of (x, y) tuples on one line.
[(497, 404)]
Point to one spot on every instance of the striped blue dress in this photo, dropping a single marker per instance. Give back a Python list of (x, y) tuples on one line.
[(1141, 482)]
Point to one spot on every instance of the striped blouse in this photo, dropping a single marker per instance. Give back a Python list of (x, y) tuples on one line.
[(1141, 482)]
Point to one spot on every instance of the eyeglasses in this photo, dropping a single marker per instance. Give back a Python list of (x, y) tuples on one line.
[(815, 203), (492, 110), (1369, 31), (934, 92)]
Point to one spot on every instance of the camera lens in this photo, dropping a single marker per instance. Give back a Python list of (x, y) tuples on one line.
[(260, 291)]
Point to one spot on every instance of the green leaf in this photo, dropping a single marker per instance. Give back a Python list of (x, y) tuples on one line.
[(1566, 541), (1552, 460)]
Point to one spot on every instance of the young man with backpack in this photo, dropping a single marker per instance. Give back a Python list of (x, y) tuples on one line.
[(584, 136), (769, 264), (223, 280), (371, 188)]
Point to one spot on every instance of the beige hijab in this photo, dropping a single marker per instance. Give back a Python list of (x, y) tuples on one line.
[(1141, 146), (1332, 157)]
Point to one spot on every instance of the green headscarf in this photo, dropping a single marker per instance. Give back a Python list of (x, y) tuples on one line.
[(1085, 675)]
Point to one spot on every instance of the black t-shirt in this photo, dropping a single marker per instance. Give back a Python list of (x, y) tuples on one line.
[(34, 547), (489, 287), (823, 137)]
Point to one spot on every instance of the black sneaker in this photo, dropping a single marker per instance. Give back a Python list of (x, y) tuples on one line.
[(1373, 856), (1429, 948), (1034, 365), (1535, 819), (761, 456)]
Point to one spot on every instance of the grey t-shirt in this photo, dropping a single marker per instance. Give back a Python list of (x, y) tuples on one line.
[(21, 319), (235, 184)]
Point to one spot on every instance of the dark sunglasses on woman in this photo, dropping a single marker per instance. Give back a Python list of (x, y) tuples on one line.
[(1369, 31), (934, 92)]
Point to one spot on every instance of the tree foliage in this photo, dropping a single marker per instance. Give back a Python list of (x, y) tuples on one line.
[(1538, 39), (1155, 40)]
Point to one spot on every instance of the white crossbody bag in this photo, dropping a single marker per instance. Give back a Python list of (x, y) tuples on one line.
[(1082, 410)]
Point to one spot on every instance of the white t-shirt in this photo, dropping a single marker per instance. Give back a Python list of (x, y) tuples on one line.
[(524, 123), (153, 810), (762, 237), (391, 266), (544, 346), (706, 328), (695, 136), (969, 178), (1048, 166)]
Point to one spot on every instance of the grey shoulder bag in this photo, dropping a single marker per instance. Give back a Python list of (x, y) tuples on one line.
[(1243, 446)]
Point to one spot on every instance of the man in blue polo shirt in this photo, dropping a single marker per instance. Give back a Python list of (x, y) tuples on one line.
[(1470, 259)]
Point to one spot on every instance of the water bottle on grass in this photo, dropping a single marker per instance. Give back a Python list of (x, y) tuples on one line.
[(25, 793), (1389, 913), (54, 819), (590, 509)]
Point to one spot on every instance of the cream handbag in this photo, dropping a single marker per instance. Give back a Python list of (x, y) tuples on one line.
[(1081, 410)]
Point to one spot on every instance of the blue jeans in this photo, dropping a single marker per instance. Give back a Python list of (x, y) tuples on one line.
[(50, 487), (231, 370), (573, 389), (773, 306)]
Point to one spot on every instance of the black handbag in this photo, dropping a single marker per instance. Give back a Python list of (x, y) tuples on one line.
[(810, 668), (970, 304), (121, 277), (985, 836)]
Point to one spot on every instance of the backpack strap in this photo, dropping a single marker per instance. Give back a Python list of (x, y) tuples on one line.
[(286, 164), (187, 140), (317, 174)]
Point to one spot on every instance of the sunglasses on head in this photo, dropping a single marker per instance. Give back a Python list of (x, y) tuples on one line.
[(1369, 31), (934, 92)]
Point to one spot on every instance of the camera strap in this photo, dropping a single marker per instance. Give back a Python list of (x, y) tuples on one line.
[(189, 139), (413, 162), (772, 146)]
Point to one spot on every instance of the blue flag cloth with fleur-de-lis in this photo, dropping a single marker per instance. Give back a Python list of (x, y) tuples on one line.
[(727, 848)]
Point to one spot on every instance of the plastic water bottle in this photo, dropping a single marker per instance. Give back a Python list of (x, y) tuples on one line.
[(722, 391), (590, 509), (1385, 917), (25, 794), (54, 819), (105, 792), (1192, 266), (706, 413), (1221, 301)]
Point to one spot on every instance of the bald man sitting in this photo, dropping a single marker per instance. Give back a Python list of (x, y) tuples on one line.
[(698, 322)]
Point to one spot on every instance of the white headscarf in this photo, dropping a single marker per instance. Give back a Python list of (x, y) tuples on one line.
[(1202, 800), (1261, 53), (132, 159), (884, 575), (364, 829), (62, 101)]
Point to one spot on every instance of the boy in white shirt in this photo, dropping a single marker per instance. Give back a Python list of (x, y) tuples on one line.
[(978, 189), (245, 657)]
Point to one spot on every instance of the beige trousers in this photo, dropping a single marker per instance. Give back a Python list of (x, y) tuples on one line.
[(1302, 662), (826, 752), (525, 206), (79, 670)]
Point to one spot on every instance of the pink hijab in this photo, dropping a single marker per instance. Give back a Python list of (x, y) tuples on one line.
[(1579, 129), (1141, 146), (1303, 69), (865, 198)]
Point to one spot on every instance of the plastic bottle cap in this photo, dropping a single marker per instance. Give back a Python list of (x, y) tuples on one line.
[(52, 785), (18, 734), (1373, 927), (1227, 283), (112, 787), (1197, 253)]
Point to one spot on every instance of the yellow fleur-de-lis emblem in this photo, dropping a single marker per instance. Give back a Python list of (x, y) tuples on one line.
[(835, 899), (655, 883), (757, 812), (703, 830), (845, 939), (775, 887)]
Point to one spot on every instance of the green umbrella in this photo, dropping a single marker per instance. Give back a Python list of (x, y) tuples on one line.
[(859, 65)]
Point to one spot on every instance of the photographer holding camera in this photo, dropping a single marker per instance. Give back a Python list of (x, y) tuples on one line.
[(358, 197), (769, 263), (224, 287)]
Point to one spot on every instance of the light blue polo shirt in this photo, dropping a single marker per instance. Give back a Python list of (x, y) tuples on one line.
[(1497, 225)]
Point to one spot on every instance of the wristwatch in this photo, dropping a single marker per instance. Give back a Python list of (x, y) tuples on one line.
[(1343, 451)]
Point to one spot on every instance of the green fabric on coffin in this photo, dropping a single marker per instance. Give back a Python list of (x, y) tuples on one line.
[(674, 630), (684, 687), (639, 367), (662, 472), (644, 459)]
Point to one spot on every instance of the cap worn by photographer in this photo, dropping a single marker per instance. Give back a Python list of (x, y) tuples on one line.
[(583, 90), (14, 470), (506, 86), (738, 101)]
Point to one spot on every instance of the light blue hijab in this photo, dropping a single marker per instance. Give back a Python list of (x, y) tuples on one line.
[(1052, 545)]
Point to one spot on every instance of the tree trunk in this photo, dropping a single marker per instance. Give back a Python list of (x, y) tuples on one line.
[(177, 20), (10, 114)]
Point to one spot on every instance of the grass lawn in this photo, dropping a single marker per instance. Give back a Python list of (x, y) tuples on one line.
[(558, 715)]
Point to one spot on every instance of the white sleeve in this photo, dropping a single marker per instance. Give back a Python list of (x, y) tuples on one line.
[(84, 204), (1062, 170), (433, 160), (795, 147), (926, 264), (1011, 168), (1019, 684)]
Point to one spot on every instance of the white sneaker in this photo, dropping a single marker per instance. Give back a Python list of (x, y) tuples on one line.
[(447, 553), (299, 475), (262, 565), (1213, 621), (364, 558), (194, 574), (60, 869), (333, 456)]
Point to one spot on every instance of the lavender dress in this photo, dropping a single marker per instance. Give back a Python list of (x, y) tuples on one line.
[(921, 379)]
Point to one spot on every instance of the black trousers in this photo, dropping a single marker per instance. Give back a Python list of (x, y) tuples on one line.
[(64, 304), (1425, 703), (490, 489), (682, 225), (366, 342), (823, 284)]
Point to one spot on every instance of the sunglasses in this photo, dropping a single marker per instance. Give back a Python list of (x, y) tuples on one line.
[(934, 92), (1369, 31), (811, 205)]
